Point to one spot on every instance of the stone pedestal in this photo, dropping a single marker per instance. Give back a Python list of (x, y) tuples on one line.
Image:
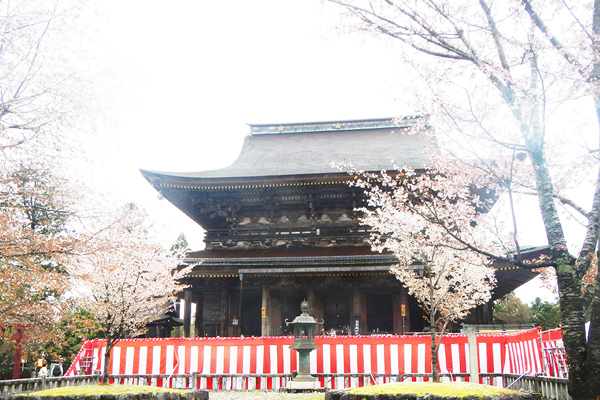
[(304, 327)]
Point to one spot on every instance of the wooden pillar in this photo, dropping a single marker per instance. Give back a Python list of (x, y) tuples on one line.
[(275, 315), (318, 312), (187, 311), (240, 316), (224, 312), (311, 298), (363, 314), (357, 308), (199, 297), (265, 311), (401, 312)]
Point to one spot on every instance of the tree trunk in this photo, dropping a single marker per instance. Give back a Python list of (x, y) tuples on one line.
[(569, 282), (110, 343), (434, 359)]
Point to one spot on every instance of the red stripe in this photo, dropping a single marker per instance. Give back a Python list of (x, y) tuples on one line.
[(401, 367), (136, 361), (388, 359), (346, 358), (360, 358), (374, 359)]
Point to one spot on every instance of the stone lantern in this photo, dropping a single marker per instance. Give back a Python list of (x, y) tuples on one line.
[(304, 327)]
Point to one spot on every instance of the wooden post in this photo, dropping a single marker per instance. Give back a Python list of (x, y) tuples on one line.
[(225, 317), (18, 337), (266, 305), (187, 311), (199, 297), (356, 311)]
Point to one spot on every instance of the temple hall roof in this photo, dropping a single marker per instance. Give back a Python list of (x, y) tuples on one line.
[(310, 148)]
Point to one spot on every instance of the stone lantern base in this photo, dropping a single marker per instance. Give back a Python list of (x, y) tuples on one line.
[(303, 386)]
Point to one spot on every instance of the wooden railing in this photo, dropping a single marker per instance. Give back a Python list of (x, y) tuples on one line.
[(550, 388)]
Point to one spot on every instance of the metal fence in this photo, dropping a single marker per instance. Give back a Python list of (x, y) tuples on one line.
[(550, 388)]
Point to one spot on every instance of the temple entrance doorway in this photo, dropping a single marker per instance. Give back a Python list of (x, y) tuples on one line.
[(251, 316), (380, 313), (336, 315)]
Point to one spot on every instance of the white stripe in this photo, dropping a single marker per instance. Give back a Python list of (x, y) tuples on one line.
[(339, 355), (497, 359), (287, 359), (408, 359), (273, 358), (260, 359), (169, 360), (367, 358), (482, 348), (193, 359), (506, 369), (182, 360), (455, 349), (143, 360), (246, 360), (326, 359), (442, 363), (116, 360), (232, 365), (156, 360), (220, 359), (497, 354), (353, 359), (206, 360), (421, 358), (380, 359), (394, 359), (233, 355), (312, 362), (273, 365), (129, 360), (95, 358), (233, 360)]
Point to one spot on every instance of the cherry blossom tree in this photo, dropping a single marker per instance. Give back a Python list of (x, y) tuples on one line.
[(433, 227), (44, 91), (514, 85), (128, 280)]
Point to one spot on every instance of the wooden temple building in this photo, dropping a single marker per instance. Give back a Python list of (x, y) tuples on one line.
[(281, 227)]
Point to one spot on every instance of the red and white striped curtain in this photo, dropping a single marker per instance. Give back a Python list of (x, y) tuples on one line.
[(519, 353)]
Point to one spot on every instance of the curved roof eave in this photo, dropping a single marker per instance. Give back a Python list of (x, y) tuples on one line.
[(312, 153)]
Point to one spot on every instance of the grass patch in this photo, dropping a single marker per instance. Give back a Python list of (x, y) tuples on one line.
[(455, 389), (97, 390)]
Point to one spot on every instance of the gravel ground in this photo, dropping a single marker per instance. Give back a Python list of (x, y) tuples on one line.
[(262, 395)]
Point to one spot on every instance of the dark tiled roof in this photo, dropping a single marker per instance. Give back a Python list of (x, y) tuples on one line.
[(310, 148)]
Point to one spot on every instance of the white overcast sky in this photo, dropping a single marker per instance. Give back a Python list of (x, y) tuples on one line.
[(193, 74)]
